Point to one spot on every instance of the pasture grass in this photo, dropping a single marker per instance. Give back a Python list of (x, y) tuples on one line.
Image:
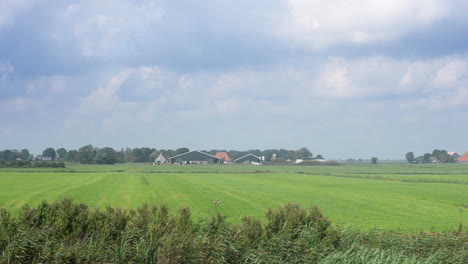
[(402, 197)]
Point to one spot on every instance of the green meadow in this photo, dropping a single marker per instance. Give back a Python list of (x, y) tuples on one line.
[(410, 198)]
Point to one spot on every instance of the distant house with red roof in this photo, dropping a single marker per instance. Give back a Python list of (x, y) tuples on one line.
[(223, 156), (463, 158)]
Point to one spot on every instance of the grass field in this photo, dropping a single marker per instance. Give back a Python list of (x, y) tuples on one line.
[(386, 196)]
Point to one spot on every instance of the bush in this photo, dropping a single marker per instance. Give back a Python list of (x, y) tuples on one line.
[(69, 232), (31, 164)]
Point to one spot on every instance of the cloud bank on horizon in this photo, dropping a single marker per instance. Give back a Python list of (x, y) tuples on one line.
[(344, 78)]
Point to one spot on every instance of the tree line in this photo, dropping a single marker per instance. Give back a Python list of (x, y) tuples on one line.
[(90, 154), (437, 156)]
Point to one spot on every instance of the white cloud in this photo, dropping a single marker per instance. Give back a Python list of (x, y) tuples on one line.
[(9, 8), (105, 108), (442, 80), (336, 81), (48, 85), (25, 104), (106, 28), (452, 74), (317, 24), (5, 70), (105, 98), (402, 89)]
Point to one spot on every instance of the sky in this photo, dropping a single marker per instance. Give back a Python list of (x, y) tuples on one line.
[(346, 79)]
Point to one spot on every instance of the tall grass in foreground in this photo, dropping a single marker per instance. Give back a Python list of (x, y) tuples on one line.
[(68, 232)]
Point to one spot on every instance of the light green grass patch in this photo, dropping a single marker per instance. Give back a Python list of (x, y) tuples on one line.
[(410, 198)]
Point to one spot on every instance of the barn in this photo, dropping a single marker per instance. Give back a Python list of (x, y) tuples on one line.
[(454, 155), (463, 158), (194, 157), (249, 158)]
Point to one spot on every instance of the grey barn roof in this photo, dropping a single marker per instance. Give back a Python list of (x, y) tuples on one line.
[(246, 158), (185, 153), (195, 156)]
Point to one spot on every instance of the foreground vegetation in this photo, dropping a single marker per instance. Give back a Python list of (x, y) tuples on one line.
[(409, 198), (68, 232)]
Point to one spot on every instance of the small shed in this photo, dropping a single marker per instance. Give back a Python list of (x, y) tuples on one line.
[(195, 157), (247, 159), (162, 159)]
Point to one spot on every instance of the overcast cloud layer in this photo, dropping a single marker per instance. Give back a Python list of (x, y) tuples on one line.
[(343, 78)]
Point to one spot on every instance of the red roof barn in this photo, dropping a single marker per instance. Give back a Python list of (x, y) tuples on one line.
[(463, 158), (223, 156)]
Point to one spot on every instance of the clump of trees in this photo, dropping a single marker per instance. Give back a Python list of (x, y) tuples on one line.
[(437, 156), (13, 154)]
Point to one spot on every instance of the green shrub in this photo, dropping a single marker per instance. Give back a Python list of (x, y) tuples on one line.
[(69, 232)]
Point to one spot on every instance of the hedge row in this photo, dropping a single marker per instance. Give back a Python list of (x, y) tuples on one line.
[(31, 164)]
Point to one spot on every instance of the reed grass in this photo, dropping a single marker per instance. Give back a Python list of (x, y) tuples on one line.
[(65, 231)]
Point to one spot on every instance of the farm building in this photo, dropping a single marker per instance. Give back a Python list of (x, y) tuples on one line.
[(463, 158), (162, 159), (249, 158), (454, 155), (195, 157), (224, 157)]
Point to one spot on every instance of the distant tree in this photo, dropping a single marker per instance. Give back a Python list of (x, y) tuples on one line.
[(105, 155), (374, 160), (72, 156), (410, 157), (319, 156), (141, 154), (9, 155), (61, 153), (86, 154), (180, 151), (234, 154), (303, 153), (120, 156), (255, 152), (268, 153), (128, 155), (426, 158), (49, 152), (169, 152), (286, 154), (213, 151), (24, 154), (442, 156), (138, 155), (147, 153)]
